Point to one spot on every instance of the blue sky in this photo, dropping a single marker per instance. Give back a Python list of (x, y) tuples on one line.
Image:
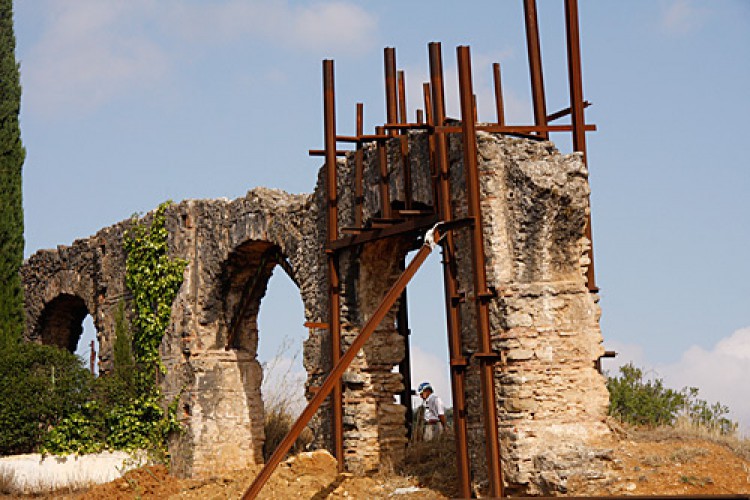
[(129, 103)]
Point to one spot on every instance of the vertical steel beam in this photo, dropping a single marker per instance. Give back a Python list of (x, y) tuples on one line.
[(402, 111), (435, 95), (334, 376), (404, 368), (481, 293), (385, 190), (359, 168), (402, 118), (499, 105), (535, 65), (334, 321), (391, 89), (578, 120), (426, 94)]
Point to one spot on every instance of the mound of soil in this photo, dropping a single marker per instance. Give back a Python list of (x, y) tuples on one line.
[(654, 464), (307, 475), (645, 464)]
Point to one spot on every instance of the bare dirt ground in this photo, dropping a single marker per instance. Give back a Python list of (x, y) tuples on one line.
[(665, 462), (643, 463)]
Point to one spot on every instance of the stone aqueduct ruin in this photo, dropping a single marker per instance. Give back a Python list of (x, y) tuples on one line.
[(551, 399)]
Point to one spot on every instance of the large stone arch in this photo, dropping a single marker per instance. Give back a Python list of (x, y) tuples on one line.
[(210, 350)]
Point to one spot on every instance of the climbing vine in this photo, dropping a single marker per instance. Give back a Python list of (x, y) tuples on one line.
[(126, 411), (154, 278)]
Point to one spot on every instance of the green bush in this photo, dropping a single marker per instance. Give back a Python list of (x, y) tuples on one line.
[(647, 402), (126, 410), (642, 402), (39, 387)]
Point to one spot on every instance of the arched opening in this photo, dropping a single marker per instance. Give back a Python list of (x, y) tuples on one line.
[(281, 334), (270, 363), (88, 345), (61, 321), (428, 341)]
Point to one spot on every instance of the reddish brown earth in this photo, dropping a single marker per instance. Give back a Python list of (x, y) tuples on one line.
[(642, 464)]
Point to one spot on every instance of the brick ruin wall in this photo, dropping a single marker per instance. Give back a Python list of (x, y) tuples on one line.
[(551, 400)]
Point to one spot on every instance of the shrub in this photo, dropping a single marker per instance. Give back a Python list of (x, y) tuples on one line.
[(39, 387), (126, 411), (640, 402), (647, 402)]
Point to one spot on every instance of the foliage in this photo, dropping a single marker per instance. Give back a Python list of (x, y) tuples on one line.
[(126, 410), (154, 278), (647, 402), (40, 386), (12, 155)]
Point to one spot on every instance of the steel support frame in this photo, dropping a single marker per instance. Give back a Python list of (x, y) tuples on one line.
[(433, 120), (458, 364), (334, 286), (482, 295), (578, 120), (533, 46)]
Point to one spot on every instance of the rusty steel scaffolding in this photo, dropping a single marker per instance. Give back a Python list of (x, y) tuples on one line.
[(402, 220)]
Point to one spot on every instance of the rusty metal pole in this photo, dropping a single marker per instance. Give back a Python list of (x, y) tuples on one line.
[(334, 320), (404, 368), (391, 87), (402, 118), (577, 115), (427, 102), (92, 357), (384, 183), (482, 295), (435, 95), (333, 378), (535, 65), (359, 168), (499, 105)]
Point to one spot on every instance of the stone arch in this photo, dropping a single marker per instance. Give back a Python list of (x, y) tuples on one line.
[(244, 281), (61, 321)]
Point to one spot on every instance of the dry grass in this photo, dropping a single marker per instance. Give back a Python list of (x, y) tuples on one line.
[(9, 485), (433, 464), (687, 429), (7, 481), (283, 400)]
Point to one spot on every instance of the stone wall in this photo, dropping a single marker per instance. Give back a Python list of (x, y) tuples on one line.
[(551, 401)]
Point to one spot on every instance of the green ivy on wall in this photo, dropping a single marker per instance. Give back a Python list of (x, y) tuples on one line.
[(126, 411), (154, 278)]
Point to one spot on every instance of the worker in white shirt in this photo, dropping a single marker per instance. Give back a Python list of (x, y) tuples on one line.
[(434, 412)]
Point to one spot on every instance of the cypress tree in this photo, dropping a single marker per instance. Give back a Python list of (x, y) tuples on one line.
[(12, 155)]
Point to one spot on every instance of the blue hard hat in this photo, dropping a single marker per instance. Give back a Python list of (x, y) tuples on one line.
[(423, 387)]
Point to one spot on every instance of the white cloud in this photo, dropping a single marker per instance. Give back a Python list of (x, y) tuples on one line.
[(681, 17), (721, 373), (90, 52), (332, 25)]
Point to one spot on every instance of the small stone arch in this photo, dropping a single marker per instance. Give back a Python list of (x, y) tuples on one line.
[(61, 321)]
